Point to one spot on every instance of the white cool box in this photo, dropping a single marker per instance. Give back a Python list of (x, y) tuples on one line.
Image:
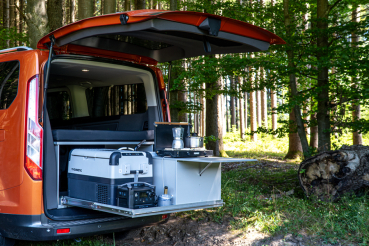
[(94, 174)]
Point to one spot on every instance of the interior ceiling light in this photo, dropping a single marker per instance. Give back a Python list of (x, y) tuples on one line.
[(85, 70)]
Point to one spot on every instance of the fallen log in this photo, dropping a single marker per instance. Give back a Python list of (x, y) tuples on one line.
[(330, 174)]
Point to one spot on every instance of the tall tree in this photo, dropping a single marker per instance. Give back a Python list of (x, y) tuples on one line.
[(173, 5), (140, 4), (36, 21), (110, 6), (232, 104), (295, 115), (85, 9), (72, 16), (55, 14), (6, 13), (258, 105), (241, 111), (127, 5), (253, 113), (273, 99), (263, 102), (245, 107), (214, 118), (356, 136), (324, 136)]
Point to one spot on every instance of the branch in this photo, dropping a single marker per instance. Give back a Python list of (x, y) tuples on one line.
[(307, 76), (333, 6), (303, 91)]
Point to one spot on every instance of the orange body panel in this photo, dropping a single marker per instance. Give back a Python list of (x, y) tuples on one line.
[(19, 194)]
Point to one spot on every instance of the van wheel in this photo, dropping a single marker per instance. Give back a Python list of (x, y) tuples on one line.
[(4, 241)]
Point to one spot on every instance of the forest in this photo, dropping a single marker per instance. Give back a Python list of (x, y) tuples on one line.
[(310, 95), (313, 88)]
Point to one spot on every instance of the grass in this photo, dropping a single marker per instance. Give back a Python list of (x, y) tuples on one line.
[(249, 197)]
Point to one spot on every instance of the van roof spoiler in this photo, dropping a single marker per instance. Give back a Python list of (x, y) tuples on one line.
[(19, 48)]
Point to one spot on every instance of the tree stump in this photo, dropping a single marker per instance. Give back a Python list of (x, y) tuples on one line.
[(330, 174)]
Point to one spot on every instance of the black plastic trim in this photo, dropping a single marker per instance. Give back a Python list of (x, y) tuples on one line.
[(30, 227)]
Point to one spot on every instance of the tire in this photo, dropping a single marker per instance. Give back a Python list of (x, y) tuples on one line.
[(4, 241)]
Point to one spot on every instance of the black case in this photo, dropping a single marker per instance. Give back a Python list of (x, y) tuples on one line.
[(136, 195)]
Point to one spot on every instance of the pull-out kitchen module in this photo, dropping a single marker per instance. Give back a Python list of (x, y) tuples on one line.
[(193, 183)]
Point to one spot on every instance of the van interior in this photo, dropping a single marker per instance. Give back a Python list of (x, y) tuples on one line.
[(94, 104)]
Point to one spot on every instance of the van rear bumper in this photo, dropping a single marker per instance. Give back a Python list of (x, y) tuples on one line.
[(30, 227)]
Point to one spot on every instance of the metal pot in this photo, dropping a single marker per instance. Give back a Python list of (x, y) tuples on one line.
[(194, 141)]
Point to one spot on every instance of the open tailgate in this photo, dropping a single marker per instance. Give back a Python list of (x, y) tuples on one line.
[(161, 35)]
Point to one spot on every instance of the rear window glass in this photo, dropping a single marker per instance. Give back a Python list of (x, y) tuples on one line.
[(9, 76), (59, 105), (116, 100)]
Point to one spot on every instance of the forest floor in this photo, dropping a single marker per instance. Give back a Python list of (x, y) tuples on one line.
[(264, 205)]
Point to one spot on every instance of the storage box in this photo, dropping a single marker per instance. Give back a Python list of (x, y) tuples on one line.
[(94, 174), (185, 181)]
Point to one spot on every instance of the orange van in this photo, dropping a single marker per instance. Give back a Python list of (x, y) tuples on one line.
[(94, 85)]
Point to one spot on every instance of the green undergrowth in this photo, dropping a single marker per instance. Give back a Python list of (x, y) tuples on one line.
[(266, 147)]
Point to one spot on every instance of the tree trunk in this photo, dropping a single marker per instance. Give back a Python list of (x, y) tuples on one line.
[(273, 98), (236, 109), (294, 143), (66, 12), (264, 107), (6, 19), (203, 103), (258, 106), (232, 104), (21, 7), (36, 21), (12, 18), (55, 14), (293, 87), (173, 5), (330, 174), (109, 6), (85, 9), (245, 107), (72, 11), (240, 108), (127, 5), (253, 122), (182, 97), (227, 113), (356, 136), (140, 4), (324, 141), (214, 119), (313, 127)]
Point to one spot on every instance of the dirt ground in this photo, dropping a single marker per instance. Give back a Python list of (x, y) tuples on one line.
[(185, 231)]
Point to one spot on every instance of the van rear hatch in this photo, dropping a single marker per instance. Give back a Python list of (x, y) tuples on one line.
[(160, 36)]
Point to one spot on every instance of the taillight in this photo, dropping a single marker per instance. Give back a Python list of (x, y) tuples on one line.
[(62, 231), (33, 155)]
